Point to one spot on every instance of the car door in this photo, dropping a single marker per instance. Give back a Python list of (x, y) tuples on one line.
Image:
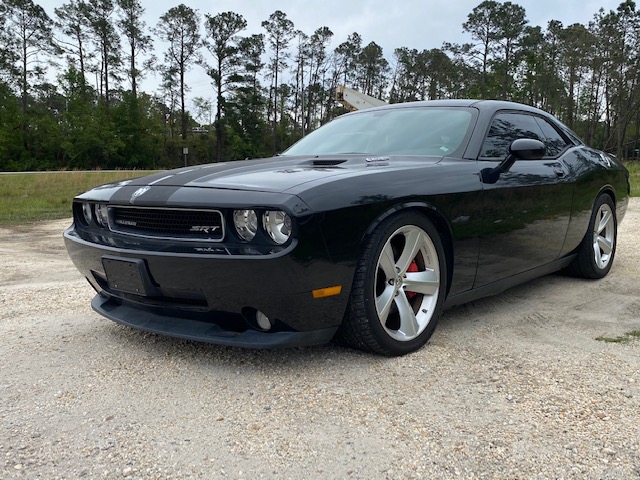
[(526, 210)]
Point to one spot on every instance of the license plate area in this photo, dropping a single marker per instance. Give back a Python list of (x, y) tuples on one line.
[(128, 275)]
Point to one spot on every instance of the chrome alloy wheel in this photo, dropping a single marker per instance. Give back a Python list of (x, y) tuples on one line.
[(603, 235), (407, 283)]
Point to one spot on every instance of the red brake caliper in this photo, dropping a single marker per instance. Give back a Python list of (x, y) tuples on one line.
[(413, 267)]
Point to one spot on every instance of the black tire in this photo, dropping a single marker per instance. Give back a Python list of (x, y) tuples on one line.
[(410, 300), (598, 247)]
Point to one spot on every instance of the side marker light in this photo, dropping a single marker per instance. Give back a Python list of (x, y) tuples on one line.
[(326, 292)]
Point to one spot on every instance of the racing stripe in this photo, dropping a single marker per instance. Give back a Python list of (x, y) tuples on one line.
[(153, 195)]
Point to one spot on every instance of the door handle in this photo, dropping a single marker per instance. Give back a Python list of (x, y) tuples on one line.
[(559, 171)]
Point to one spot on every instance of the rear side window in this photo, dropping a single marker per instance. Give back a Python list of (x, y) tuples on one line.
[(505, 128), (554, 142)]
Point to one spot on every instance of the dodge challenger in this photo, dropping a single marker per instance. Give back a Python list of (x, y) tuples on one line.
[(363, 231)]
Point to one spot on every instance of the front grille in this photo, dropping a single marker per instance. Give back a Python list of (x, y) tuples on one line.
[(174, 223)]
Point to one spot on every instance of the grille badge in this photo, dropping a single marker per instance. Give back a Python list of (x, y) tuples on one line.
[(139, 192), (130, 223), (204, 228)]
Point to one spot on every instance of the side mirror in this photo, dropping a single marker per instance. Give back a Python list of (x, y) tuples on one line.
[(520, 149), (527, 149)]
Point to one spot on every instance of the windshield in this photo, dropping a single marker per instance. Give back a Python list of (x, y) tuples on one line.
[(401, 131)]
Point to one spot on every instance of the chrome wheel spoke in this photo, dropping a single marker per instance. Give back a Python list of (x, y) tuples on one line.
[(409, 326), (387, 262), (605, 221), (597, 254), (604, 244), (384, 302), (426, 283), (413, 242)]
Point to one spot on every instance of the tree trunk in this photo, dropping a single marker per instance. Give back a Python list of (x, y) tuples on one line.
[(105, 54), (183, 113), (134, 75), (219, 130), (275, 100)]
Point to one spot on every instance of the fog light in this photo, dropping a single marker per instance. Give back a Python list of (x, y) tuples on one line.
[(256, 319), (263, 321)]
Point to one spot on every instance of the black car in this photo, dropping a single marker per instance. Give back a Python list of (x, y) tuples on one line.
[(362, 231)]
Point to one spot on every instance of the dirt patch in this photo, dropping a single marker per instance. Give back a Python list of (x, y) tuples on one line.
[(513, 386)]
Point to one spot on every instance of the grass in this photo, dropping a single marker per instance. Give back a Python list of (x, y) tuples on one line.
[(634, 174), (626, 338), (31, 197)]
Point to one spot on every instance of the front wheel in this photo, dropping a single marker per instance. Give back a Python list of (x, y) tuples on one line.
[(398, 289), (596, 252)]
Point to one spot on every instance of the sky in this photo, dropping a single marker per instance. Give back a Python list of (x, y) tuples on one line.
[(419, 24)]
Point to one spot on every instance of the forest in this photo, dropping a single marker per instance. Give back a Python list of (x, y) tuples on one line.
[(70, 95)]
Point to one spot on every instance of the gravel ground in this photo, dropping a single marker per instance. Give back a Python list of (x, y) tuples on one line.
[(514, 386)]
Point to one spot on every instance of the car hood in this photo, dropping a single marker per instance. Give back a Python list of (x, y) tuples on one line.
[(278, 174)]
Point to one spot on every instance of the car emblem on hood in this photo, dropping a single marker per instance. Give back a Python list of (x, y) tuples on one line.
[(138, 192)]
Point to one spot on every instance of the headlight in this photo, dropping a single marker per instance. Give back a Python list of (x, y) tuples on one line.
[(278, 225), (102, 215), (86, 213), (246, 223)]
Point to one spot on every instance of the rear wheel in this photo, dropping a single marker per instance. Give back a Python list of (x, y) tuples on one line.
[(596, 252), (398, 289)]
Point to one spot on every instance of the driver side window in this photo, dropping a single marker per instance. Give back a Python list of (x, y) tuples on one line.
[(505, 128)]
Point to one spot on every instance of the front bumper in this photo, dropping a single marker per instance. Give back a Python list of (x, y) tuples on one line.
[(205, 328), (211, 298)]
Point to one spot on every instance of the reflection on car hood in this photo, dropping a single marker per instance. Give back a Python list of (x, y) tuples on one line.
[(278, 174)]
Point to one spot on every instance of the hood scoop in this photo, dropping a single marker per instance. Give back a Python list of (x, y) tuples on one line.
[(322, 162)]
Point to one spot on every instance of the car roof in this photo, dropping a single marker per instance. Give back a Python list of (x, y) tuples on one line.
[(484, 105)]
